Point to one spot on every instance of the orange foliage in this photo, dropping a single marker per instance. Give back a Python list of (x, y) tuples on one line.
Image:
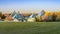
[(26, 14), (9, 18), (51, 13)]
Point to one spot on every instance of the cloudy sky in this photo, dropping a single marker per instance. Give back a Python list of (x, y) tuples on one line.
[(10, 5)]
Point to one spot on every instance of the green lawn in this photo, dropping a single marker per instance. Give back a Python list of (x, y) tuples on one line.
[(29, 28)]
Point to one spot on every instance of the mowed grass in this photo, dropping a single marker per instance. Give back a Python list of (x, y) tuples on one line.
[(29, 27)]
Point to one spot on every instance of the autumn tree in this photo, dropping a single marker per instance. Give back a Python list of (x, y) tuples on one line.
[(0, 14), (54, 17)]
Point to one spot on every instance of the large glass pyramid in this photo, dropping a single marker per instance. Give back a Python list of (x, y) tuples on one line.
[(18, 16)]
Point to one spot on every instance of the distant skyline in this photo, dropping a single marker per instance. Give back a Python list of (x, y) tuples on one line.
[(11, 5)]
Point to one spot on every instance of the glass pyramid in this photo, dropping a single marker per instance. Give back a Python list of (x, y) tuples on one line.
[(18, 16)]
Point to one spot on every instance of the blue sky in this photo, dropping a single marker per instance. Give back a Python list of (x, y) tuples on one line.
[(27, 4)]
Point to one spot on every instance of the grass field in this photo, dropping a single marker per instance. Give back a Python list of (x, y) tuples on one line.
[(29, 28)]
